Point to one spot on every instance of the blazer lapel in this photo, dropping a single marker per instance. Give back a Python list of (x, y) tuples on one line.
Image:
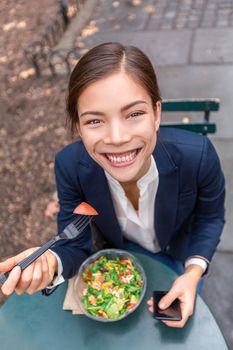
[(167, 194), (94, 184)]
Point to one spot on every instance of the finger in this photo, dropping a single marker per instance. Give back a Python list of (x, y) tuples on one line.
[(186, 310), (45, 273), (150, 301), (11, 282), (36, 277), (8, 264), (176, 324), (167, 300), (151, 305), (25, 280), (151, 309)]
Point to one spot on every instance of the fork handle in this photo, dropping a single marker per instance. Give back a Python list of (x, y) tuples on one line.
[(31, 258)]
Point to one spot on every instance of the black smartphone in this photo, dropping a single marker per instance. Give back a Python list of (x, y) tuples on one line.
[(172, 313)]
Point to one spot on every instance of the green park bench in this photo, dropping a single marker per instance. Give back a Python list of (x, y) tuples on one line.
[(193, 105)]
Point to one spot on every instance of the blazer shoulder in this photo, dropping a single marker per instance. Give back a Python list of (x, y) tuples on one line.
[(74, 152), (186, 144), (181, 137)]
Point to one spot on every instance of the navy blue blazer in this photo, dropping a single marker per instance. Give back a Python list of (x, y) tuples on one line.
[(189, 205)]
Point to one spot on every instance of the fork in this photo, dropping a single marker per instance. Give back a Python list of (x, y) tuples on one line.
[(73, 230)]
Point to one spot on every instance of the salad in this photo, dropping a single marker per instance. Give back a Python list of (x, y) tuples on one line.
[(113, 286)]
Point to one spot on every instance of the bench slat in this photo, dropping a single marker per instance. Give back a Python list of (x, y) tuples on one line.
[(191, 105)]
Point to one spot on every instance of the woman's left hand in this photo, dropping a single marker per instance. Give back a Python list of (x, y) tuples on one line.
[(184, 288)]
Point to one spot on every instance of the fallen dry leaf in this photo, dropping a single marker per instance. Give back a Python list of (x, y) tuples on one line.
[(72, 10), (8, 26), (90, 29), (136, 2), (27, 73), (115, 4), (21, 24), (3, 59), (149, 9)]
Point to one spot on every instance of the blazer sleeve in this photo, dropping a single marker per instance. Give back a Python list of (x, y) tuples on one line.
[(208, 220), (71, 252)]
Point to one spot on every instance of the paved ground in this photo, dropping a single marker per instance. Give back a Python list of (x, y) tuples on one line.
[(190, 44)]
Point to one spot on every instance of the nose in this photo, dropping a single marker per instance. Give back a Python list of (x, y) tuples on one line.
[(117, 134)]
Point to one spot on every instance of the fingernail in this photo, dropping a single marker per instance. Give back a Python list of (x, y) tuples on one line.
[(16, 270), (6, 292), (162, 306)]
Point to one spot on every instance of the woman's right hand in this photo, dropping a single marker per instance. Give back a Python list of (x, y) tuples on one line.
[(35, 277)]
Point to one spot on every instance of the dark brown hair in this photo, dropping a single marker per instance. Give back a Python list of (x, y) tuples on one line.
[(106, 59)]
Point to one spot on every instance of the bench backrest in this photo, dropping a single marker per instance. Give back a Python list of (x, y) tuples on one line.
[(193, 105)]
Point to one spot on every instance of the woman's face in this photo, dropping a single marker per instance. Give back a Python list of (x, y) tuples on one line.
[(118, 126)]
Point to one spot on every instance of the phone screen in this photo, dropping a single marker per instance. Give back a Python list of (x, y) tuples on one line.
[(172, 313)]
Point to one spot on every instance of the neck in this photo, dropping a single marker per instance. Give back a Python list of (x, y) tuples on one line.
[(132, 193)]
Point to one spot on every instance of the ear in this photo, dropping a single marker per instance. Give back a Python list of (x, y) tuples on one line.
[(157, 114)]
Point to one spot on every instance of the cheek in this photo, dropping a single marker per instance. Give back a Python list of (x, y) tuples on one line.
[(88, 143), (150, 138), (86, 138), (90, 140), (149, 132), (150, 122)]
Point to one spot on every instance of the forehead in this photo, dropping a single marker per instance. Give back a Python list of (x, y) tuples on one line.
[(119, 88)]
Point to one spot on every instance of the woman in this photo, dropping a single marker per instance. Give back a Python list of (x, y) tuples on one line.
[(156, 191)]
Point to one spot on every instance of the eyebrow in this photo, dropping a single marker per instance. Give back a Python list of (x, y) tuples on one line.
[(122, 109)]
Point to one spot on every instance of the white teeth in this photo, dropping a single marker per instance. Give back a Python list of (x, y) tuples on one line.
[(121, 159)]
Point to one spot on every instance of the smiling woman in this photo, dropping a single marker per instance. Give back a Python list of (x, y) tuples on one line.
[(160, 192), (121, 135), (118, 129)]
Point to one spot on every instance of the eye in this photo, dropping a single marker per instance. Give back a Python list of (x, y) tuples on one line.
[(136, 114), (93, 122)]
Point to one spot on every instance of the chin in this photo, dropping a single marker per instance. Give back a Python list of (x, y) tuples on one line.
[(123, 177)]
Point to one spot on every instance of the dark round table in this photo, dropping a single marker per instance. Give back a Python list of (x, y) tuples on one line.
[(38, 322)]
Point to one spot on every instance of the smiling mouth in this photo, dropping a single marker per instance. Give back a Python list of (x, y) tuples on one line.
[(125, 158)]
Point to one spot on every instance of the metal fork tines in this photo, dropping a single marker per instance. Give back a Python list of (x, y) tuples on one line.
[(77, 226), (72, 231)]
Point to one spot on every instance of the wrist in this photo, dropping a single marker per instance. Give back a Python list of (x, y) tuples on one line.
[(195, 272)]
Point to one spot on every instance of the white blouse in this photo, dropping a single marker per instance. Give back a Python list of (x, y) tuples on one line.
[(137, 226)]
